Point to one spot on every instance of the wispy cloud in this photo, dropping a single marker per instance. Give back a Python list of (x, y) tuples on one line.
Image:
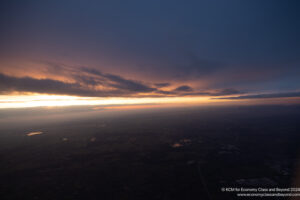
[(84, 81), (48, 86), (264, 96), (118, 82)]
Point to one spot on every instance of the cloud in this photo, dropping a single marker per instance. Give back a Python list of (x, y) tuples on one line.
[(72, 80), (226, 91), (265, 96), (160, 85), (119, 82), (220, 92), (84, 81), (50, 86), (188, 91), (93, 77), (183, 88)]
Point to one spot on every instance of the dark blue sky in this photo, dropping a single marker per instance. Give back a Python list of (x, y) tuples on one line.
[(249, 46)]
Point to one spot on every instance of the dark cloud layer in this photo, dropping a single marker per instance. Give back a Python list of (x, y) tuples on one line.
[(88, 81), (220, 92), (86, 85), (265, 96), (184, 88), (119, 82), (48, 86)]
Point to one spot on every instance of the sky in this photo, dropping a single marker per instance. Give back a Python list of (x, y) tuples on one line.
[(202, 50)]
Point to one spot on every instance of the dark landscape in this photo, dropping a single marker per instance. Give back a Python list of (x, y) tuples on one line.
[(170, 153)]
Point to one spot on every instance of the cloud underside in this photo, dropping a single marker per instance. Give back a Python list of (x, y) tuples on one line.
[(264, 96), (94, 83)]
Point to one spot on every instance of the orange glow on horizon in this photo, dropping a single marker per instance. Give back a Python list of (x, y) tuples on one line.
[(37, 100), (27, 101)]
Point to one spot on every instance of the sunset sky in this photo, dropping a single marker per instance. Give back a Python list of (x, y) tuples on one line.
[(148, 52)]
